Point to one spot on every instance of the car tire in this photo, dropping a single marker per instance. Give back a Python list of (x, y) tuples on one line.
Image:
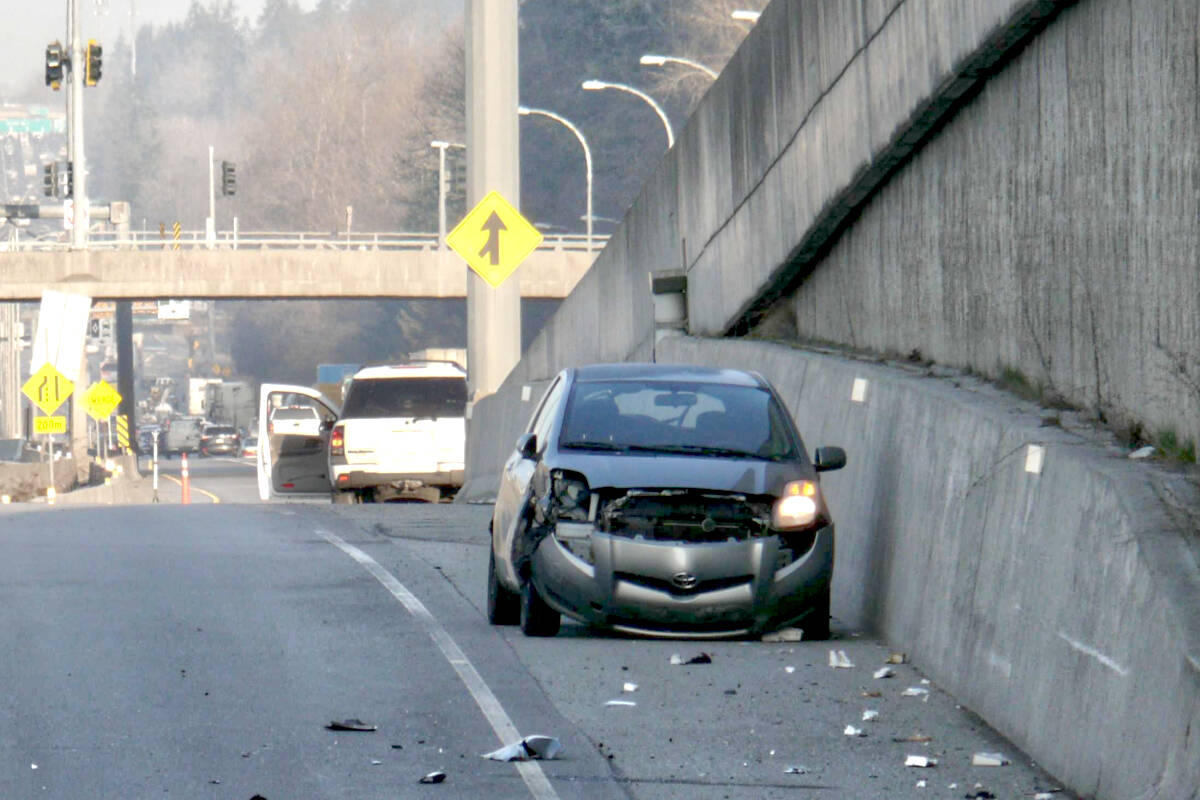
[(503, 606), (343, 497), (816, 624), (537, 618)]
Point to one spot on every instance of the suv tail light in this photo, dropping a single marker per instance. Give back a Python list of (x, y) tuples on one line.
[(337, 441)]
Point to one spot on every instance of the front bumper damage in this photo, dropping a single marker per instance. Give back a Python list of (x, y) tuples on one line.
[(679, 563)]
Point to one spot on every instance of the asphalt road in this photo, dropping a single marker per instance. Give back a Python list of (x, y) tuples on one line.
[(200, 651)]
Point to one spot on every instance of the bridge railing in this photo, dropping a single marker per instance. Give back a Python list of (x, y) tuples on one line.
[(270, 240)]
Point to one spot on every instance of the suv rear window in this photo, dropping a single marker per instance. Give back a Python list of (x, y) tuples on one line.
[(406, 397)]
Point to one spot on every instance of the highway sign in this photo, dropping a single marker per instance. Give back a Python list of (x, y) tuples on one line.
[(494, 239), (48, 389), (101, 400), (49, 425)]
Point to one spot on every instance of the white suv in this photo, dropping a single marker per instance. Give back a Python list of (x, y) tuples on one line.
[(401, 432)]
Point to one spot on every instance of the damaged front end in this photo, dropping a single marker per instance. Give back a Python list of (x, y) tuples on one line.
[(679, 561)]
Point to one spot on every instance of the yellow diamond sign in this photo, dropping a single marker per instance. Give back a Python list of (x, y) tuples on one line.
[(494, 239), (48, 389), (101, 399)]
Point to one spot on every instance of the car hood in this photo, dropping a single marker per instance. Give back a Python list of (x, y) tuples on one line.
[(648, 470)]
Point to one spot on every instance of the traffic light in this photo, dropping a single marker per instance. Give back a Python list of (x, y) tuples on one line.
[(54, 65), (457, 178), (70, 179), (91, 75), (228, 178), (50, 179)]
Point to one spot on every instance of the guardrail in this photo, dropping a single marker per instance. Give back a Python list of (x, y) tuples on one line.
[(271, 240)]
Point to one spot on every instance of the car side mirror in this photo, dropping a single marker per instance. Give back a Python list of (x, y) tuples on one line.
[(527, 445), (829, 458)]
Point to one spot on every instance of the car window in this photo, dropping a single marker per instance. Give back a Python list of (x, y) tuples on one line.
[(544, 419), (406, 397), (676, 416)]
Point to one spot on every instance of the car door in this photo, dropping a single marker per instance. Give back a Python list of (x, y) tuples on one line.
[(293, 462)]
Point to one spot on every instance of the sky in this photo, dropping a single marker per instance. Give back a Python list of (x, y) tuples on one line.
[(27, 26)]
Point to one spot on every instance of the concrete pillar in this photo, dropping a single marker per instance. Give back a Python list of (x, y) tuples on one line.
[(493, 154)]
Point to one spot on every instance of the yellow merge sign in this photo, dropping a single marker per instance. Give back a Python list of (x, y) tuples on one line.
[(49, 424), (101, 399), (494, 239), (48, 389)]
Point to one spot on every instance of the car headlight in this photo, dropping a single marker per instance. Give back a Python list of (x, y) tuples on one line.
[(570, 495), (797, 507)]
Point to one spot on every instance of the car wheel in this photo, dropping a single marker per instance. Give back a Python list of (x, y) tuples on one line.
[(816, 624), (343, 497), (537, 618), (503, 606)]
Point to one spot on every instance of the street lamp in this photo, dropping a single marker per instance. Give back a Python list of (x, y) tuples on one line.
[(650, 60), (441, 147), (594, 86), (741, 15), (587, 156)]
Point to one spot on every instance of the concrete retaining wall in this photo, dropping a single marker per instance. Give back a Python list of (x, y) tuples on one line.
[(1060, 606)]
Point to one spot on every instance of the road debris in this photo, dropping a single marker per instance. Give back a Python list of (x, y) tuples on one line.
[(797, 770), (532, 747), (921, 784), (980, 794), (989, 760), (703, 658), (853, 731), (783, 635), (870, 715), (883, 672), (839, 660), (351, 725), (871, 693), (915, 691), (629, 687), (789, 670), (615, 703), (1047, 795), (916, 738), (375, 762), (1143, 452), (920, 761), (896, 658), (433, 777)]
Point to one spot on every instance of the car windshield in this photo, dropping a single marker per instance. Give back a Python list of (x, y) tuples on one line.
[(406, 397), (686, 418)]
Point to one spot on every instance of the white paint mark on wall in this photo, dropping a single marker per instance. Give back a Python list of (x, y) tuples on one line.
[(526, 393), (858, 393), (1035, 456), (1094, 653)]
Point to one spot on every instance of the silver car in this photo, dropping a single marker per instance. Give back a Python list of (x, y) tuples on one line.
[(662, 500)]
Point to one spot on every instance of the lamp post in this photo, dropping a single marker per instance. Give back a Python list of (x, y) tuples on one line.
[(595, 86), (587, 156), (651, 60)]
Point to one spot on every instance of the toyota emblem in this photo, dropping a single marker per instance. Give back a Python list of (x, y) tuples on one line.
[(684, 580)]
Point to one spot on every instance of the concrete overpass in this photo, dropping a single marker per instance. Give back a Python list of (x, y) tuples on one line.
[(274, 266), (996, 188)]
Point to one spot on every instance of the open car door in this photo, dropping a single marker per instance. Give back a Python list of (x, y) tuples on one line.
[(293, 458)]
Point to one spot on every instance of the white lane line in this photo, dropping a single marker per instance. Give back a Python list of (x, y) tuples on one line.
[(531, 771), (1094, 653)]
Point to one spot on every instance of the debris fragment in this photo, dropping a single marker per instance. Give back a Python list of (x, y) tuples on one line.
[(853, 731), (870, 715), (375, 762), (916, 738), (629, 687), (884, 672), (920, 761), (529, 748), (872, 694), (915, 691), (1048, 795), (839, 660), (896, 658), (789, 670), (433, 777), (925, 681), (783, 635), (989, 760), (351, 725), (1143, 452), (921, 784), (797, 770), (628, 703), (703, 658), (980, 794)]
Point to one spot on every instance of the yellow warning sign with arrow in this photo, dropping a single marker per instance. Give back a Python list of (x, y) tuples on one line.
[(48, 389), (494, 239)]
